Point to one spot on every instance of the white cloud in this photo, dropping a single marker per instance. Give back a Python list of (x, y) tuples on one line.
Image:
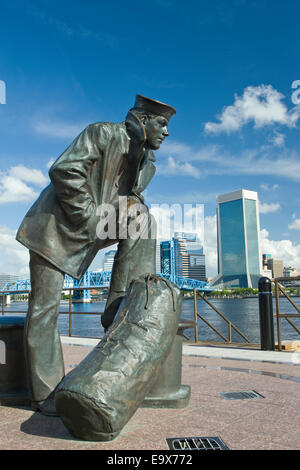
[(14, 256), (278, 139), (59, 129), (210, 245), (286, 165), (178, 217), (191, 197), (295, 225), (16, 184), (261, 105), (30, 175), (174, 168), (266, 187), (281, 249), (186, 153), (220, 162), (265, 208)]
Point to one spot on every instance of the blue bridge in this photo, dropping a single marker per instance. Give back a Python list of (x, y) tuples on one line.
[(92, 279), (102, 280)]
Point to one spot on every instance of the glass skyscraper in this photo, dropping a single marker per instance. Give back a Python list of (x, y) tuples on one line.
[(189, 256), (108, 260), (239, 257), (189, 259)]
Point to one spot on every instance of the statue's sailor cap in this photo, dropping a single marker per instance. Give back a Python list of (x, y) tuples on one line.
[(147, 105)]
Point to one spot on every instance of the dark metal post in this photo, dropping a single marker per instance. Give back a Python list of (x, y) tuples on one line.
[(70, 312), (266, 314), (195, 315)]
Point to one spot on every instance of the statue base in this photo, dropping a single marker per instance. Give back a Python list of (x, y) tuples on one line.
[(168, 392), (13, 383), (178, 399), (14, 399)]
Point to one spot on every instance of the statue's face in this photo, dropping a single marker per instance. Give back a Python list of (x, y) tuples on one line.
[(156, 131)]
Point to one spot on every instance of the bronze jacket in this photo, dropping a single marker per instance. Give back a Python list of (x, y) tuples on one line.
[(105, 161)]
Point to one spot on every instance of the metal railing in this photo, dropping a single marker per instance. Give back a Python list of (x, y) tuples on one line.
[(279, 289), (70, 312), (287, 316), (230, 325)]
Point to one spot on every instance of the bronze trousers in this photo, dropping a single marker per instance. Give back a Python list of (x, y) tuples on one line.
[(43, 352)]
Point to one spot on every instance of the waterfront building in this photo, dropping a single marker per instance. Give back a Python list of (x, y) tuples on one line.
[(165, 257), (5, 278), (239, 254), (108, 260), (290, 271), (276, 266), (188, 256), (273, 265), (267, 272), (265, 259), (158, 257)]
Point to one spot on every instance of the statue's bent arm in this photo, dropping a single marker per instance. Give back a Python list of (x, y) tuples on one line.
[(70, 175)]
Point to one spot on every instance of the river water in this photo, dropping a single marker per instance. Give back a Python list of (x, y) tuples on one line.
[(243, 313)]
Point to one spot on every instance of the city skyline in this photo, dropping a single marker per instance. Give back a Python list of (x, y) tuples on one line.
[(236, 94)]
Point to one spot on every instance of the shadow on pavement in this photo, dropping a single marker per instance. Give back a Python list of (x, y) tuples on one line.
[(40, 425)]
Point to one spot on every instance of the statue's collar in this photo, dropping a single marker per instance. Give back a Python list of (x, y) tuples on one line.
[(136, 132)]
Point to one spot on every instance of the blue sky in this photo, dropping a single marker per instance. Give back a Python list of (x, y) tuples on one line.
[(226, 66)]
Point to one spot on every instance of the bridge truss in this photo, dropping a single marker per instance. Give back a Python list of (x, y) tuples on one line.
[(95, 279)]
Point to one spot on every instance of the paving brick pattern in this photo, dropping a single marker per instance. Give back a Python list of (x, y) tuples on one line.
[(271, 423)]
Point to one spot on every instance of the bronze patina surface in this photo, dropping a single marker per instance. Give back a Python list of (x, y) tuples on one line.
[(97, 398), (105, 162)]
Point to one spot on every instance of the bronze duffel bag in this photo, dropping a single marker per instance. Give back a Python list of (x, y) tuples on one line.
[(97, 398)]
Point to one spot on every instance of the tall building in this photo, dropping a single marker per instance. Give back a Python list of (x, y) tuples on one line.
[(276, 266), (108, 260), (158, 257), (165, 257), (239, 255), (267, 272), (290, 271), (265, 260), (188, 256)]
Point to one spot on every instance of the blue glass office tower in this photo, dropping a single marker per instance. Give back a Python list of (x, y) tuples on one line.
[(184, 255), (239, 256)]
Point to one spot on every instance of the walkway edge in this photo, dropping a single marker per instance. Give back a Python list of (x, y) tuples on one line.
[(215, 352)]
